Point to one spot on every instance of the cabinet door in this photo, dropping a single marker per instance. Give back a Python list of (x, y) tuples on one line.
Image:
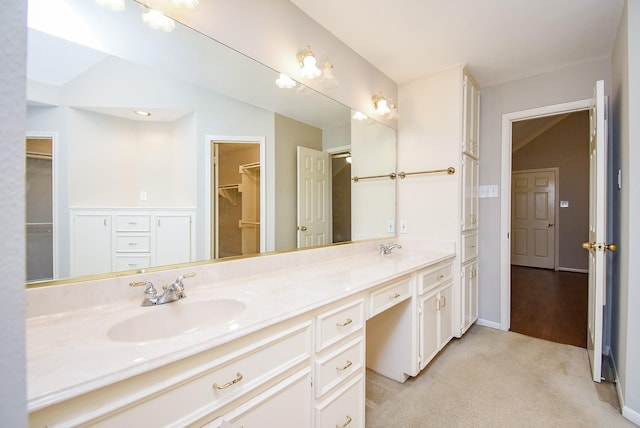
[(469, 295), (469, 193), (428, 324), (445, 316), (471, 128), (91, 244), (173, 240)]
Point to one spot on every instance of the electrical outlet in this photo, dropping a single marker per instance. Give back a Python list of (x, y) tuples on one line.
[(404, 227), (143, 195), (391, 228)]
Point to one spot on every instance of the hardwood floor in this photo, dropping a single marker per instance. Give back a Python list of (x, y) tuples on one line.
[(549, 305)]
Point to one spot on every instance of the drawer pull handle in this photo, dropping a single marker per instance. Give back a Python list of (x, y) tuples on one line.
[(133, 223), (344, 324), (133, 244), (346, 366), (344, 425), (228, 384), (395, 296), (441, 276)]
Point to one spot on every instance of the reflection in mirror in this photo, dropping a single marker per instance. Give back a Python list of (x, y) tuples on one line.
[(130, 192)]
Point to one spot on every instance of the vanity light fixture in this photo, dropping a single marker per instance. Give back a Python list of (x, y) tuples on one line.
[(142, 113), (308, 64), (380, 105), (384, 106), (285, 82)]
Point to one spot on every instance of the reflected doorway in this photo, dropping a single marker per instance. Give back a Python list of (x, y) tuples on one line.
[(236, 198), (39, 208), (341, 196)]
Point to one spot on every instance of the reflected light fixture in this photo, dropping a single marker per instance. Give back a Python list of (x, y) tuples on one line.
[(358, 115), (142, 113), (285, 82), (308, 63), (151, 17), (158, 20)]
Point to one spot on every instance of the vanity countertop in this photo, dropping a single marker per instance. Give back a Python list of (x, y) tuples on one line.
[(70, 353)]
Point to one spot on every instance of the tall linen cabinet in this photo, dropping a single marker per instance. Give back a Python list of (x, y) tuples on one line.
[(438, 128)]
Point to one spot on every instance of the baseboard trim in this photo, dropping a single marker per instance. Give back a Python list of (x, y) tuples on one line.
[(628, 413), (566, 269), (487, 323), (632, 415)]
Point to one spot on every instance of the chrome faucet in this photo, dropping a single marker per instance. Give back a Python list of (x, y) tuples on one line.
[(172, 292), (386, 248)]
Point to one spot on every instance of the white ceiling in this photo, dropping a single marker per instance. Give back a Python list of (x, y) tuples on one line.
[(499, 40)]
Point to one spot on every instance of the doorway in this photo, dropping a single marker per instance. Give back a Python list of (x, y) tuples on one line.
[(341, 196), (236, 200), (549, 221), (567, 260), (39, 208)]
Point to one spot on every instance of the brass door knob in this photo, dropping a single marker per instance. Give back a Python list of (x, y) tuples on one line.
[(611, 247), (302, 228), (588, 245)]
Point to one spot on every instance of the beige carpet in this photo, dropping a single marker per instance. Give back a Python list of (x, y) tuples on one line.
[(492, 378)]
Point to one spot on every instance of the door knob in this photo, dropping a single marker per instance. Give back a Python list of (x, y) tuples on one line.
[(302, 228), (550, 225), (588, 245), (611, 247)]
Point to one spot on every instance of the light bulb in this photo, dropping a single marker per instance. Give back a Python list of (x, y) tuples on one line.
[(285, 82), (158, 20)]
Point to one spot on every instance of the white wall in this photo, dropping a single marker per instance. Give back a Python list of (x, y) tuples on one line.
[(561, 86), (13, 40), (625, 343)]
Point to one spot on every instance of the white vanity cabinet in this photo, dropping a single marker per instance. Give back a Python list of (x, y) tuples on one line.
[(91, 243), (118, 239), (241, 380), (435, 311)]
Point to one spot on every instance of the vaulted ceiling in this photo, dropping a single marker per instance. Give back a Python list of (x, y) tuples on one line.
[(499, 40)]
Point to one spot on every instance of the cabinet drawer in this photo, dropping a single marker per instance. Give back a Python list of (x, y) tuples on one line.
[(130, 262), (286, 405), (133, 222), (132, 243), (338, 323), (469, 247), (338, 365), (345, 408), (434, 276), (198, 393), (389, 296)]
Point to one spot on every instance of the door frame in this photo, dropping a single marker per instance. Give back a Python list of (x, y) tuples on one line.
[(505, 202), (556, 207), (208, 224)]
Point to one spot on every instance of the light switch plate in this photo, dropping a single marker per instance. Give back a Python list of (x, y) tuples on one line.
[(564, 204)]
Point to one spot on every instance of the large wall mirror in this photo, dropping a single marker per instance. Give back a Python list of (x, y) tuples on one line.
[(217, 169)]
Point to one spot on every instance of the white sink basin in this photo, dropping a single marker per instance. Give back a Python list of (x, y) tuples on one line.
[(176, 318)]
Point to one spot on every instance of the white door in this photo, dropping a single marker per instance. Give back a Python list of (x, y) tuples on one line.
[(597, 228), (313, 197), (533, 218)]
